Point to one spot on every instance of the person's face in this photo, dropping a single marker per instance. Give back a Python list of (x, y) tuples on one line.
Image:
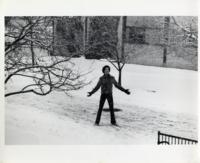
[(106, 71)]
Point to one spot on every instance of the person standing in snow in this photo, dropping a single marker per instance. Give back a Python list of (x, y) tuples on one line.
[(106, 82)]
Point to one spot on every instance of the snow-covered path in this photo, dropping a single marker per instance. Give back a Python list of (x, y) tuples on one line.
[(159, 101), (65, 120)]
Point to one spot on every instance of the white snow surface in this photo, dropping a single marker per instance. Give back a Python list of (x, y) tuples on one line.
[(162, 99)]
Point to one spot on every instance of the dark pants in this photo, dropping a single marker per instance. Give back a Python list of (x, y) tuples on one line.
[(103, 98)]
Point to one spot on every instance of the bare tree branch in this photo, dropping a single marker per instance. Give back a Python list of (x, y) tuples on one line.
[(194, 35), (48, 73)]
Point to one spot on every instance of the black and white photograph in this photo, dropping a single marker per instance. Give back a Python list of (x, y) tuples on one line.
[(101, 80)]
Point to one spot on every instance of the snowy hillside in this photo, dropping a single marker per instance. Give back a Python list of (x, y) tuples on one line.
[(161, 99)]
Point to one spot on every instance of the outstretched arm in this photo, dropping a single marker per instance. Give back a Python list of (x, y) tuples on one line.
[(120, 87), (95, 88)]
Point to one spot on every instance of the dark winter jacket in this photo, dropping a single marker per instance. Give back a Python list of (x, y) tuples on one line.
[(106, 82)]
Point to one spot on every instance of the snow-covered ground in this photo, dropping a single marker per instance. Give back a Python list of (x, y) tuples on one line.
[(161, 99)]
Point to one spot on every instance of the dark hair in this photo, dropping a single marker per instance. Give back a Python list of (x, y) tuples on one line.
[(104, 67)]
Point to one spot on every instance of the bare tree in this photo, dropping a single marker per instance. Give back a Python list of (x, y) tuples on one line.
[(183, 38), (108, 38), (178, 35), (166, 38), (119, 56), (46, 73), (189, 31), (85, 32)]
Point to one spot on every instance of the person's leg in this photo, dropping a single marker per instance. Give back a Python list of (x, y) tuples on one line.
[(112, 114), (101, 103)]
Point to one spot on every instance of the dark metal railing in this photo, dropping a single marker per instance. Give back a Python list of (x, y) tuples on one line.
[(171, 139)]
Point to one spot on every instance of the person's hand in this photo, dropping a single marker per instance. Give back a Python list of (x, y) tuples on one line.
[(127, 91), (89, 94)]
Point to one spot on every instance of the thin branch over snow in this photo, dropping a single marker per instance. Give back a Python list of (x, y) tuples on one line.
[(47, 73)]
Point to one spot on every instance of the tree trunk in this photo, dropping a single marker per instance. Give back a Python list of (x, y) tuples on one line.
[(85, 33), (120, 77), (122, 55), (124, 19), (32, 49), (33, 54), (166, 38), (53, 37), (164, 56)]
